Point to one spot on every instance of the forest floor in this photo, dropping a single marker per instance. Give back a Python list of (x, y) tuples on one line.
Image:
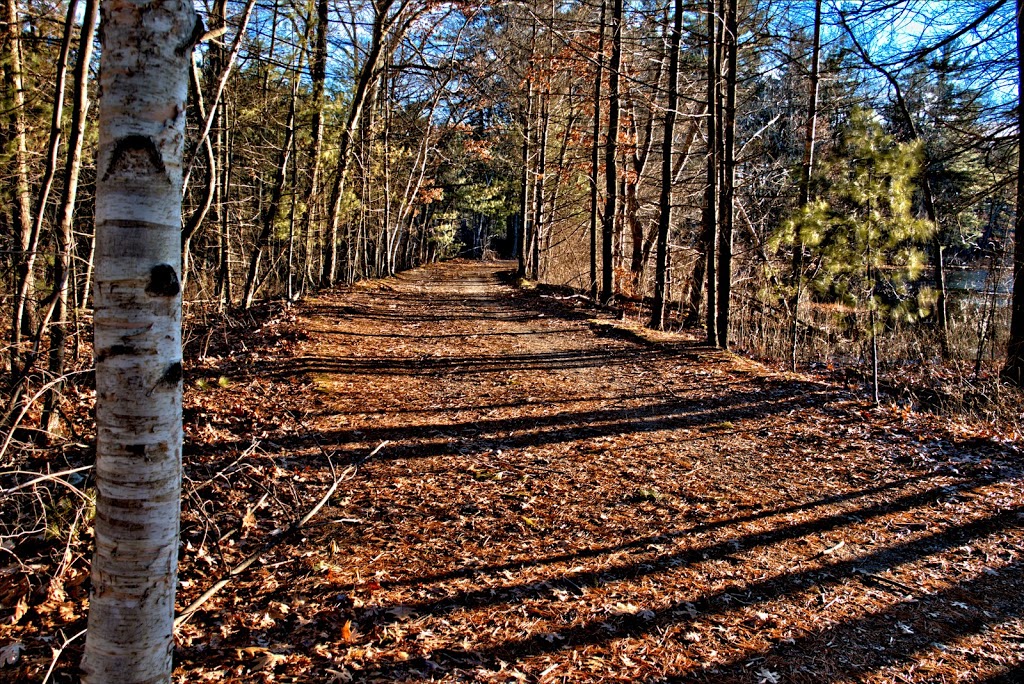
[(532, 490)]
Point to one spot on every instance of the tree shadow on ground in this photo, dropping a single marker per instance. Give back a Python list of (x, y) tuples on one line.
[(927, 616), (632, 559), (433, 439)]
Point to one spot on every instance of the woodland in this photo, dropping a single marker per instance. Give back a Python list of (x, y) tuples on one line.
[(531, 341)]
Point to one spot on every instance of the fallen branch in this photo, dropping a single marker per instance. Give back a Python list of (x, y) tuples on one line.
[(44, 478), (13, 426), (276, 537), (57, 653)]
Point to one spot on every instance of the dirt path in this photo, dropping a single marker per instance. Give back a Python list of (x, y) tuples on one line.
[(563, 497)]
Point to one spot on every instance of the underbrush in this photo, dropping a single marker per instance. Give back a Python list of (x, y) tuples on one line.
[(47, 490), (915, 371), (960, 381)]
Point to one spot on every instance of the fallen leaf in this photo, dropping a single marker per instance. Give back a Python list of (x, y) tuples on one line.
[(342, 675), (268, 661), (401, 612), (10, 653), (20, 608), (278, 610)]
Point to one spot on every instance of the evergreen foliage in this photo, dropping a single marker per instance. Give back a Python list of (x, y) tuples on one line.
[(863, 236)]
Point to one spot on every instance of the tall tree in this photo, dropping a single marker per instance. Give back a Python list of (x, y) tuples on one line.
[(318, 65), (667, 175), (727, 210), (1013, 371), (610, 157), (806, 170), (595, 152), (706, 247), (17, 140), (144, 81), (525, 223), (66, 213)]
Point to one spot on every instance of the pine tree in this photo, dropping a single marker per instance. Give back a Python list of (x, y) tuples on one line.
[(862, 234)]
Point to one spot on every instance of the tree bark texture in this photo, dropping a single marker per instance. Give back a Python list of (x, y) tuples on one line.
[(144, 82)]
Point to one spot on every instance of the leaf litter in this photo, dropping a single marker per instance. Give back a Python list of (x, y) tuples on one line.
[(563, 496)]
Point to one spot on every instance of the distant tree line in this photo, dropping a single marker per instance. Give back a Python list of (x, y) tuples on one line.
[(804, 180)]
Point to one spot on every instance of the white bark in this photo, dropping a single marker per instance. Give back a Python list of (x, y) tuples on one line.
[(144, 85)]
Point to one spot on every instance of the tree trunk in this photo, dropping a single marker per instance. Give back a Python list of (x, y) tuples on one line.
[(292, 218), (24, 259), (191, 225), (1013, 371), (727, 211), (270, 212), (665, 198), (874, 353), (710, 227), (66, 212), (144, 81), (56, 122), (524, 192), (595, 153), (610, 158), (538, 193), (223, 149), (806, 169), (318, 75)]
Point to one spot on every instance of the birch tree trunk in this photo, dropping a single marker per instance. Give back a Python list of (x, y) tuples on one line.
[(144, 85)]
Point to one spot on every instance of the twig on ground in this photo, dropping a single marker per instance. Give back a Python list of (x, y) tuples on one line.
[(12, 427), (43, 478), (223, 471), (276, 537), (57, 653)]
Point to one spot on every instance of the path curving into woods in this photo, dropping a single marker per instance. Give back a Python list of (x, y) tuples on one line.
[(566, 497)]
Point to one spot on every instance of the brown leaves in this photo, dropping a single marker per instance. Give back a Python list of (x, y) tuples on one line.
[(559, 506), (256, 658)]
